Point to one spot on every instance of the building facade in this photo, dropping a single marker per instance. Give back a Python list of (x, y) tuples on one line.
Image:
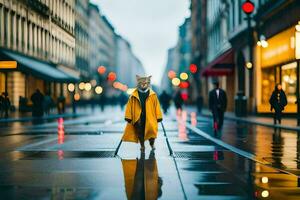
[(277, 61), (82, 37), (37, 33), (269, 43), (102, 41), (219, 54)]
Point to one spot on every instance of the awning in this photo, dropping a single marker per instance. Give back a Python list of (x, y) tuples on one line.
[(221, 66), (40, 69)]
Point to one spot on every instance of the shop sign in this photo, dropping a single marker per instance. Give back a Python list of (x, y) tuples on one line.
[(8, 64), (281, 48)]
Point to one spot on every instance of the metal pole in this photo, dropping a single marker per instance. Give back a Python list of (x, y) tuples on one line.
[(250, 55)]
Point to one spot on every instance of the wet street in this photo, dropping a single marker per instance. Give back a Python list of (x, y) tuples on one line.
[(73, 158)]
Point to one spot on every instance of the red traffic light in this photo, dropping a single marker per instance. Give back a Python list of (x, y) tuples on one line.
[(248, 7), (193, 68)]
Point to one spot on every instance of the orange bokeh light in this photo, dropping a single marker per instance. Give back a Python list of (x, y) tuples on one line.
[(171, 74), (101, 70), (112, 76)]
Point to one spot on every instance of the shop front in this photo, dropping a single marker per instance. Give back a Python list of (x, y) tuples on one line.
[(278, 62), (222, 68), (32, 74)]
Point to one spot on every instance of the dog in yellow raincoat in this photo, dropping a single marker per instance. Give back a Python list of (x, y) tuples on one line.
[(142, 114)]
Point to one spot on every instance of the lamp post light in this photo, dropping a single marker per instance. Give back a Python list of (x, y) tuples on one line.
[(248, 8), (240, 99)]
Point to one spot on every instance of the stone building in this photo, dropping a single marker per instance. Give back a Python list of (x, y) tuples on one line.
[(82, 37), (102, 41), (39, 35)]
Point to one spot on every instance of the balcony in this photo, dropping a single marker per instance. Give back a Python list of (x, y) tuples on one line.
[(39, 7)]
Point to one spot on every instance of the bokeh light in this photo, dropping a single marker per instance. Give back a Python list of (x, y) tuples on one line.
[(184, 76), (171, 74), (81, 86), (98, 90), (71, 87), (175, 81), (101, 70), (88, 86), (76, 97)]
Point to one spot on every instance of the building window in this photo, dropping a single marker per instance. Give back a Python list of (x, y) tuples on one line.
[(240, 13), (289, 81), (268, 84), (17, 31), (12, 34), (23, 33), (33, 38)]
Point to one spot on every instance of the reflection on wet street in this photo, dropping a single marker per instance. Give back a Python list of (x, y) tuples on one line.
[(74, 159), (141, 178), (280, 148)]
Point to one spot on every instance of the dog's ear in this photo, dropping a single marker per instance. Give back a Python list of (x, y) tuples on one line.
[(137, 77), (149, 77)]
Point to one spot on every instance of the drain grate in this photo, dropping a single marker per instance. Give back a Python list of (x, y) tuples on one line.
[(215, 155), (36, 155)]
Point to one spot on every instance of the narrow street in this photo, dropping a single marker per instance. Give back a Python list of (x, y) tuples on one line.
[(74, 159)]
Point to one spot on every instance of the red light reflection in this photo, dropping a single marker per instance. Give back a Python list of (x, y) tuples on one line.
[(60, 154), (194, 119), (61, 131)]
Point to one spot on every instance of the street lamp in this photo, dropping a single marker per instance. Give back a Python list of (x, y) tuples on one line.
[(241, 100), (248, 8)]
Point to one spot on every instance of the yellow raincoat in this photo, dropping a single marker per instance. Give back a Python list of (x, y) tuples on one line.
[(133, 113)]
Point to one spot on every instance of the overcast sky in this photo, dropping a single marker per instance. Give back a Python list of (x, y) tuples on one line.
[(151, 26)]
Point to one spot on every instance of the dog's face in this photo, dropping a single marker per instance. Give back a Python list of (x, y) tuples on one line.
[(143, 83)]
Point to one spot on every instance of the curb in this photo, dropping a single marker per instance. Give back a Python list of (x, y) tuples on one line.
[(296, 128)]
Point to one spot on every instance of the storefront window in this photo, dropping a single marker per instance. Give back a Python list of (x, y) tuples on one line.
[(289, 81), (268, 84), (2, 82)]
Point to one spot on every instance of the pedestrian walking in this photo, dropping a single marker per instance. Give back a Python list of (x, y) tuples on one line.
[(178, 101), (278, 101), (61, 101), (37, 99), (122, 100), (217, 105), (165, 99), (5, 104), (142, 114), (47, 104)]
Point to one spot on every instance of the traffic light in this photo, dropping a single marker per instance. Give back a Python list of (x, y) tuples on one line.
[(248, 7)]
